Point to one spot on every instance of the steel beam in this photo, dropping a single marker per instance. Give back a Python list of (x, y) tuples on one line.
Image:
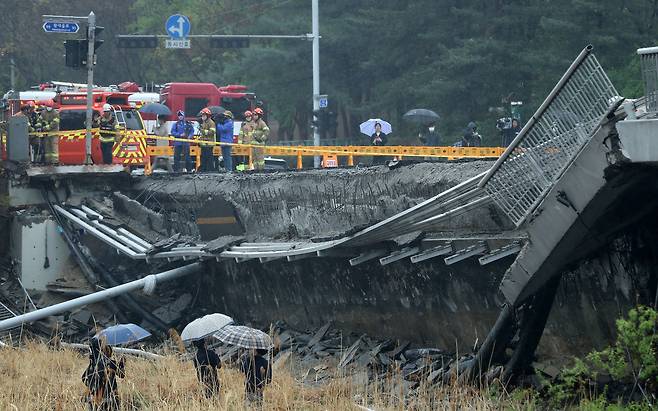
[(335, 252), (475, 249), (300, 256), (99, 234), (502, 252), (367, 256), (398, 255), (445, 248)]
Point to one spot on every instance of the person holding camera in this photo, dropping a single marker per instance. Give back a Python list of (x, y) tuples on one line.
[(471, 137), (509, 129)]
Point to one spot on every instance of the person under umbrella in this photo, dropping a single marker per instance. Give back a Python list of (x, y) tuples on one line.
[(429, 136), (378, 138), (257, 372), (206, 363), (254, 365), (100, 377)]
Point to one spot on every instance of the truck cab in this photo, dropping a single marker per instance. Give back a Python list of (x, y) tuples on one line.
[(72, 106)]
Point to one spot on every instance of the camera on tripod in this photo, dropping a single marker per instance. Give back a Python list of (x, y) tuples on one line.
[(504, 123)]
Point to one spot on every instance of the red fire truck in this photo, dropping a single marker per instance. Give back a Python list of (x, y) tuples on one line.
[(192, 97), (130, 148)]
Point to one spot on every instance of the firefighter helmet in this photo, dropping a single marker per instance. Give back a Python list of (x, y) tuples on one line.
[(258, 111), (107, 107), (247, 113), (205, 111)]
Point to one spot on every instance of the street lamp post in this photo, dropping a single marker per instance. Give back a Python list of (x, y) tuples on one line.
[(316, 73)]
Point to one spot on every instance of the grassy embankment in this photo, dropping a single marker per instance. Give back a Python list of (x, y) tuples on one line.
[(36, 377)]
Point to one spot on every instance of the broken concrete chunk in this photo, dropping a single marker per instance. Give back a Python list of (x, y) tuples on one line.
[(348, 356), (319, 335), (174, 311)]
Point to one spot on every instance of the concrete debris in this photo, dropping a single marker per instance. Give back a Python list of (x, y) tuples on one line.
[(176, 240), (173, 312), (319, 335), (223, 243)]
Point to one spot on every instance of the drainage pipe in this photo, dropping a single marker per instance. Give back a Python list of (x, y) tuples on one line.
[(149, 280)]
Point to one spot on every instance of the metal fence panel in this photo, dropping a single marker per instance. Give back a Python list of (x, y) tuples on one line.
[(552, 141)]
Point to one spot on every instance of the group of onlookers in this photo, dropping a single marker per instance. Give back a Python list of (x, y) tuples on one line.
[(100, 376), (215, 129)]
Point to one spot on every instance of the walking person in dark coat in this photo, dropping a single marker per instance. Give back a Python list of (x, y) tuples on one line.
[(206, 363), (257, 374), (100, 377)]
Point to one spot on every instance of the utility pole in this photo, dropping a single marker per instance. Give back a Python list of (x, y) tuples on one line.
[(91, 34), (316, 72)]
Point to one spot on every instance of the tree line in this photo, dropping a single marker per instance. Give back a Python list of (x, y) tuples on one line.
[(464, 59)]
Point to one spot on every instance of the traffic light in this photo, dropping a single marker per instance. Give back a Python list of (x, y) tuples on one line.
[(318, 115), (137, 42), (77, 49), (97, 32), (230, 43), (74, 53)]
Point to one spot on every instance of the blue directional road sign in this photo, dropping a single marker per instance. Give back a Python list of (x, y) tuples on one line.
[(61, 27), (324, 102), (178, 26)]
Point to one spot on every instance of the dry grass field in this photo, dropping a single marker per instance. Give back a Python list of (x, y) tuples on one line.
[(37, 377)]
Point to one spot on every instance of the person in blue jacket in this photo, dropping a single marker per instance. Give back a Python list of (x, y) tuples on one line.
[(184, 130), (225, 135)]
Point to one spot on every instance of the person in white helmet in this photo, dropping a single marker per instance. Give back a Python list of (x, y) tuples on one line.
[(107, 123)]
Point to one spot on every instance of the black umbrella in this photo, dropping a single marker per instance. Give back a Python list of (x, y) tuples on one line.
[(421, 116), (216, 110), (155, 108)]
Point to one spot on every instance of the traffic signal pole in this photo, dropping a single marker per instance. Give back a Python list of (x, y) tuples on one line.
[(315, 23), (91, 35), (91, 45)]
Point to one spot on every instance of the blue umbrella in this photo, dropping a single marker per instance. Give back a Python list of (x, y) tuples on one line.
[(123, 334), (155, 108)]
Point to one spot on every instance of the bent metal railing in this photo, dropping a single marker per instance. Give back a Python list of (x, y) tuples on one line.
[(551, 139)]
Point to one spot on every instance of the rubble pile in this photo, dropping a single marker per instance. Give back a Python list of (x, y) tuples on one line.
[(325, 354)]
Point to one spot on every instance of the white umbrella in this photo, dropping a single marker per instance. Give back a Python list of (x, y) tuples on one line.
[(368, 127), (205, 326), (245, 337)]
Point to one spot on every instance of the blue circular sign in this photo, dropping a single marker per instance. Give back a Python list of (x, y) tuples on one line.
[(178, 26)]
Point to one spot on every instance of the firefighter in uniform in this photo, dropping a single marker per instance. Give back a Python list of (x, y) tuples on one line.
[(207, 129), (50, 126), (245, 137), (107, 124), (259, 137)]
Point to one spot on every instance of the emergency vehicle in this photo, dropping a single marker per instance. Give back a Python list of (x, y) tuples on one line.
[(130, 148), (192, 97)]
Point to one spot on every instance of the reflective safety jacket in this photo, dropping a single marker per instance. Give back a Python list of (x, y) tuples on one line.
[(246, 130), (260, 132), (107, 124), (207, 129), (49, 121)]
